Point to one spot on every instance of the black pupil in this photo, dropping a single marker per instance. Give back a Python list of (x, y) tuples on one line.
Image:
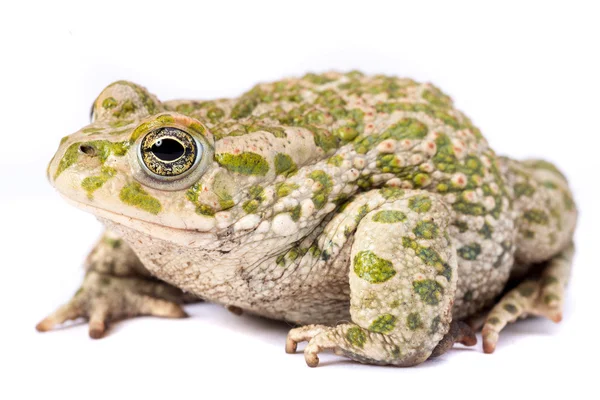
[(167, 149)]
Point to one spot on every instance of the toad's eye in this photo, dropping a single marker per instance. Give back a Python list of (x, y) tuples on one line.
[(169, 153)]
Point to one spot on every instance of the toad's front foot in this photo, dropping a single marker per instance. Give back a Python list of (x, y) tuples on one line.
[(103, 298)]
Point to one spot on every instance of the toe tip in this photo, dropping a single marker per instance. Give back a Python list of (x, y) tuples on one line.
[(312, 360)]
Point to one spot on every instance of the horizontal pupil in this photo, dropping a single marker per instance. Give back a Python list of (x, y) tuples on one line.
[(167, 149)]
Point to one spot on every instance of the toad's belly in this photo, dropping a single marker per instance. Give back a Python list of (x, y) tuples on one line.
[(320, 294), (313, 294)]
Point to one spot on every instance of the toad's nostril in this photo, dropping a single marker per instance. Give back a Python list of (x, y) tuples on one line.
[(87, 150)]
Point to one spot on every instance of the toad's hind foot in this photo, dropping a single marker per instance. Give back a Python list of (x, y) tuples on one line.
[(104, 298), (542, 296)]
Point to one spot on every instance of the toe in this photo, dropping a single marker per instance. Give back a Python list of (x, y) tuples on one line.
[(64, 313)]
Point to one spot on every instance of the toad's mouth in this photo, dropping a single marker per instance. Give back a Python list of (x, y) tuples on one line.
[(123, 224)]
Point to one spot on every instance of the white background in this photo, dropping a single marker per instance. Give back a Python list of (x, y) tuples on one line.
[(526, 73)]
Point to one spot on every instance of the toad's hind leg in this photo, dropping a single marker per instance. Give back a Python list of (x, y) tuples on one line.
[(542, 296), (403, 277), (546, 218)]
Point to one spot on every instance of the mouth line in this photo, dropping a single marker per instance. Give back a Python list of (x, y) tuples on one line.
[(121, 218)]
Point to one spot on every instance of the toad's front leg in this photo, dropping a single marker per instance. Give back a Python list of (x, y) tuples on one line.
[(403, 280), (117, 286)]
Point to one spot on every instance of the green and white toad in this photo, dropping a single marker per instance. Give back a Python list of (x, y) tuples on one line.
[(333, 197)]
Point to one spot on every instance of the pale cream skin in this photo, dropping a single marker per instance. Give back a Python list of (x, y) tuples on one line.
[(334, 197)]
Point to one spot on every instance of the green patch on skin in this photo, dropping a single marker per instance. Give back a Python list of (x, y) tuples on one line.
[(383, 324), (134, 195), (273, 130), (568, 202), (317, 79), (426, 230), (362, 211), (549, 280), (128, 107), (331, 100), (526, 290), (105, 148), (246, 163), (470, 251), (373, 269), (550, 298), (420, 203), (284, 165), (440, 113), (284, 189), (205, 209), (447, 272), (314, 251), (391, 193), (430, 291), (188, 108), (105, 281), (113, 243), (158, 122), (486, 231), (151, 106), (406, 128), (336, 160), (444, 159), (437, 98), (528, 234), (493, 321), (461, 225), (465, 207), (222, 187), (545, 165), (192, 195), (109, 103), (90, 130), (257, 196), (536, 216), (511, 308), (395, 353), (346, 133), (389, 216), (421, 179), (428, 255), (321, 195), (324, 138), (119, 123), (92, 183), (356, 336), (214, 114), (523, 189), (413, 321), (296, 213), (102, 149), (435, 325), (280, 260), (390, 163), (549, 185), (295, 252), (246, 104), (69, 158)]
